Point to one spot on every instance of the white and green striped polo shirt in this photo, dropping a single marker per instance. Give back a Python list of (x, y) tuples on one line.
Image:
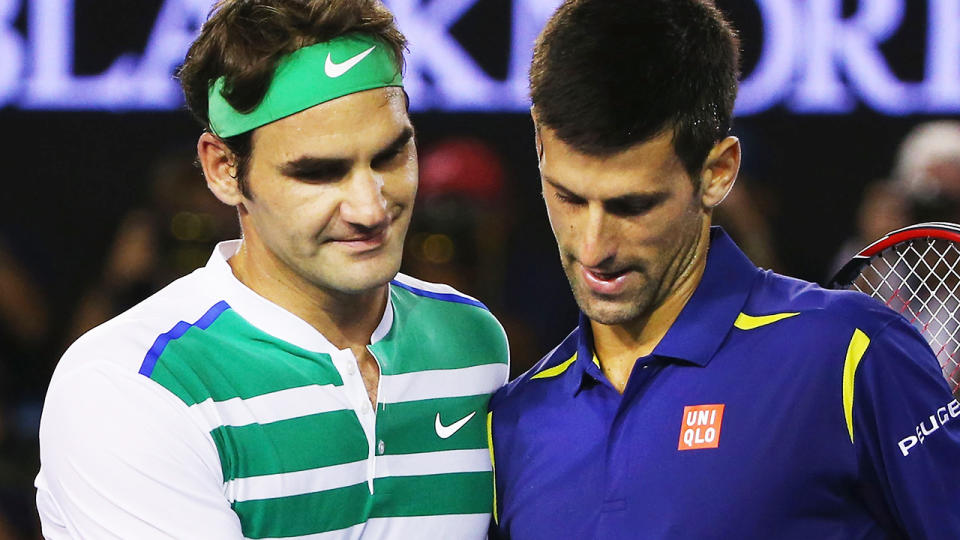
[(209, 412)]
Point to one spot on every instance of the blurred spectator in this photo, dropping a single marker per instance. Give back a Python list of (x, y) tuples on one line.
[(884, 207), (925, 187), (460, 224), (23, 312), (460, 230), (24, 331), (928, 170), (745, 215), (173, 234)]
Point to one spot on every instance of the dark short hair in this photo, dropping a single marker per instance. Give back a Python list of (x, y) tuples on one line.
[(608, 75), (244, 40)]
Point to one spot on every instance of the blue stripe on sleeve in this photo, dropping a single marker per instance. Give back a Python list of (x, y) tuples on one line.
[(446, 297), (178, 330)]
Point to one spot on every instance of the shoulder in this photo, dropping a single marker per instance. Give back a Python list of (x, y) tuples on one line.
[(98, 392), (540, 381), (439, 306), (832, 330), (426, 293), (824, 311), (119, 347), (100, 404)]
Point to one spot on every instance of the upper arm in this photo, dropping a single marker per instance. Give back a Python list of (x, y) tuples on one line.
[(906, 429), (120, 458)]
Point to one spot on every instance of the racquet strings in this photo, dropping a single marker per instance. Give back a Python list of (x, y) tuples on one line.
[(919, 279)]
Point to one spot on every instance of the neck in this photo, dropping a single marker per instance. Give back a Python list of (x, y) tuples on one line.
[(346, 320), (624, 343)]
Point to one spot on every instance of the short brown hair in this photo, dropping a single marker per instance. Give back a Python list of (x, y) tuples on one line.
[(608, 75), (244, 40)]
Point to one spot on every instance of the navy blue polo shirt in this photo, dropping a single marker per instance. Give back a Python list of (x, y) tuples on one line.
[(772, 408)]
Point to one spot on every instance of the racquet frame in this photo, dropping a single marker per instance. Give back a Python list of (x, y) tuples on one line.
[(910, 249)]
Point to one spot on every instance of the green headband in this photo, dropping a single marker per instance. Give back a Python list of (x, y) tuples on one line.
[(308, 77)]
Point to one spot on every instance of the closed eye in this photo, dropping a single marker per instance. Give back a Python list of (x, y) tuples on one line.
[(397, 149), (385, 159), (317, 170), (634, 206), (568, 198)]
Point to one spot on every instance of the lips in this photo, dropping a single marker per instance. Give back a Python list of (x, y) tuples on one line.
[(606, 283), (363, 242), (359, 240)]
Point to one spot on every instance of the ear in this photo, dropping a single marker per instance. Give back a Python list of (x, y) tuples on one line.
[(219, 168), (720, 171)]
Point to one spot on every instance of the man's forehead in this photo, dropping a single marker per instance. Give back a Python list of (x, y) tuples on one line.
[(644, 166)]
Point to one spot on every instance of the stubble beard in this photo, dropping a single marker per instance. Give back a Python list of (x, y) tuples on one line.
[(357, 277), (345, 275), (618, 310)]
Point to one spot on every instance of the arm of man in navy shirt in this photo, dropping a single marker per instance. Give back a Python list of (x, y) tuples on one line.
[(905, 426)]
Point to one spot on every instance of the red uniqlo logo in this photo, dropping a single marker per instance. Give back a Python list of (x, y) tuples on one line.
[(700, 427)]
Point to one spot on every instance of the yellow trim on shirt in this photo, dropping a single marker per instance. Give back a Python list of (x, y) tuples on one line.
[(858, 346), (555, 370), (493, 464), (749, 322)]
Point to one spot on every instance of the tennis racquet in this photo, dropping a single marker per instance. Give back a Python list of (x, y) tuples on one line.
[(916, 272)]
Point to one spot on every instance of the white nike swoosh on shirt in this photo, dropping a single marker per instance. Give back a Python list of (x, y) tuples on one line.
[(334, 70), (444, 432)]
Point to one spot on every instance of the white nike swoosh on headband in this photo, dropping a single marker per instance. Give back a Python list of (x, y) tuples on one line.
[(334, 70)]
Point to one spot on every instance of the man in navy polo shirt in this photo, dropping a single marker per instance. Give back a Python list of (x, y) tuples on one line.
[(699, 397)]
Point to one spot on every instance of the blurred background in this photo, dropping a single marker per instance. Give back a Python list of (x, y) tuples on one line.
[(846, 115)]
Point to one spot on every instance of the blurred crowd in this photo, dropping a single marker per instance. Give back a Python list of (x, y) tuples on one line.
[(923, 186), (467, 231)]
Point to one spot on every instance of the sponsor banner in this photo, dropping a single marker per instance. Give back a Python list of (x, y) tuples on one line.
[(814, 58)]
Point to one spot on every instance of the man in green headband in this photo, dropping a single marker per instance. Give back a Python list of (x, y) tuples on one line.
[(297, 386)]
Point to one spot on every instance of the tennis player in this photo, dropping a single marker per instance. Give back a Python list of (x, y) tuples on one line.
[(296, 386), (699, 397)]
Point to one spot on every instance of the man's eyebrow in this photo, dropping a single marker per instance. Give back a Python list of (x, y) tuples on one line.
[(641, 198), (556, 185), (396, 144), (314, 166), (626, 198), (319, 166)]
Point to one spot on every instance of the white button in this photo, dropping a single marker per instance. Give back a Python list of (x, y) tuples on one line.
[(351, 370), (381, 447)]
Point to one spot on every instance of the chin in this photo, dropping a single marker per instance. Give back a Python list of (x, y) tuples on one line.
[(361, 277), (349, 286), (606, 311), (610, 316), (611, 312)]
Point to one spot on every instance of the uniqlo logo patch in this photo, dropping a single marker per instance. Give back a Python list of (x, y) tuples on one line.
[(700, 427)]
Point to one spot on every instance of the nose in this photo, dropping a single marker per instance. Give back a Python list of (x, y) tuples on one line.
[(364, 204), (598, 243)]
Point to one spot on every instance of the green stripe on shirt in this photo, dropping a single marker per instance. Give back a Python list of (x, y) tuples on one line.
[(300, 515), (450, 335), (298, 444), (410, 427), (394, 497), (229, 359), (435, 494)]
